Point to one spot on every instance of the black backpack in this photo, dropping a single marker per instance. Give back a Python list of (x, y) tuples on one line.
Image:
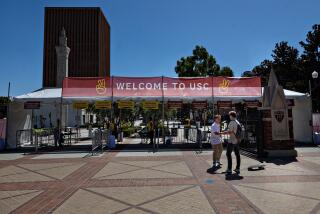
[(240, 131)]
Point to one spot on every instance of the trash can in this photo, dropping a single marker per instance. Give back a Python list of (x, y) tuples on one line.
[(316, 138), (112, 142), (2, 144)]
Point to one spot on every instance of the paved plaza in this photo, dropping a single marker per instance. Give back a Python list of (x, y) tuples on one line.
[(165, 182)]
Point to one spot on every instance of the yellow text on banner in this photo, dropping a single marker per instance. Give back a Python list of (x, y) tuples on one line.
[(103, 104), (80, 105), (125, 104), (153, 105)]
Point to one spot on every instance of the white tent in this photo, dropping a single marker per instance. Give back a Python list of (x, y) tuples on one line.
[(20, 118), (51, 99), (44, 95)]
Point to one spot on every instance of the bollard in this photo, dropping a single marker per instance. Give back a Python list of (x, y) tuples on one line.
[(36, 143)]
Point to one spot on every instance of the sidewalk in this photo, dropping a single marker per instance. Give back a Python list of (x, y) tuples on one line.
[(164, 182)]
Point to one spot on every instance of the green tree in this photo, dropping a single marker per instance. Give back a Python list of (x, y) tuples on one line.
[(287, 66), (201, 63), (226, 71), (261, 71), (4, 100), (310, 59), (248, 74), (311, 50)]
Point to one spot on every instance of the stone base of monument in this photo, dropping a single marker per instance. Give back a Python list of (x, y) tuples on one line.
[(292, 153)]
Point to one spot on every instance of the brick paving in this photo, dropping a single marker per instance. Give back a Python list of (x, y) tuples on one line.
[(177, 182)]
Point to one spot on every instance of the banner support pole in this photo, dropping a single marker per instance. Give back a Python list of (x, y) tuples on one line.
[(112, 108), (212, 96), (163, 134)]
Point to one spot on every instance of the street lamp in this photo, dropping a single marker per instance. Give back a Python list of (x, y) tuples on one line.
[(314, 75)]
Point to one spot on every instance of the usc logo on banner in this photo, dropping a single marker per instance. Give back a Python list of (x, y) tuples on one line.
[(101, 86), (224, 86)]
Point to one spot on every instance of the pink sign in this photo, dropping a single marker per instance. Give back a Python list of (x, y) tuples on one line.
[(3, 124)]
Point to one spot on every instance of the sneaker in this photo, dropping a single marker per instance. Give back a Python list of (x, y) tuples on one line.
[(228, 172), (220, 164), (237, 171), (214, 164)]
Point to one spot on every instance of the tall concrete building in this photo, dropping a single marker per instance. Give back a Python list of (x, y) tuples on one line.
[(88, 34)]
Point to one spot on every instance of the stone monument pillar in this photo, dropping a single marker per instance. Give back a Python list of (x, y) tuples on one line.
[(62, 51), (277, 121)]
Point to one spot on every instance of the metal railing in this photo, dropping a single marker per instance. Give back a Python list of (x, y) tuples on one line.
[(70, 134), (181, 135), (29, 137), (99, 139), (24, 138)]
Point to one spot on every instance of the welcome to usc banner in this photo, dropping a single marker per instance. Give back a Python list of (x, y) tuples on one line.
[(78, 87), (160, 86), (233, 87)]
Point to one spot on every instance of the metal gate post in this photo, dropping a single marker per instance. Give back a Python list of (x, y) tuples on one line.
[(101, 142), (36, 139), (260, 137)]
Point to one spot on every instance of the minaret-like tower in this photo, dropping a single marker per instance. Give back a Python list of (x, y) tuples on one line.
[(62, 51)]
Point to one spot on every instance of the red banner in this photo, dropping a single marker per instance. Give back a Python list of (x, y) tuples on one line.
[(160, 86), (233, 87), (174, 104), (252, 103), (3, 125), (87, 87), (224, 104), (137, 86), (32, 105), (199, 104), (188, 87)]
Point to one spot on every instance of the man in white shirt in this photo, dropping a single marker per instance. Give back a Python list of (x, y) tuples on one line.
[(233, 144), (216, 141)]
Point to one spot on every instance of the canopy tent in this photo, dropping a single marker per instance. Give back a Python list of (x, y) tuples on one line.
[(54, 95), (212, 89), (46, 95)]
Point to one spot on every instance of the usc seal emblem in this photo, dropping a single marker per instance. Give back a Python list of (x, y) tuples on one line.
[(101, 86), (279, 115)]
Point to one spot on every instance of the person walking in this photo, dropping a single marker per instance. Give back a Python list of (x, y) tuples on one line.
[(216, 141), (233, 144)]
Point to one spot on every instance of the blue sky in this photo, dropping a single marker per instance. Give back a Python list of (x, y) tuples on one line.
[(148, 36)]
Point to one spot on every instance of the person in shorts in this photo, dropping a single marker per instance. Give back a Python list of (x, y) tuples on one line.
[(216, 141)]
